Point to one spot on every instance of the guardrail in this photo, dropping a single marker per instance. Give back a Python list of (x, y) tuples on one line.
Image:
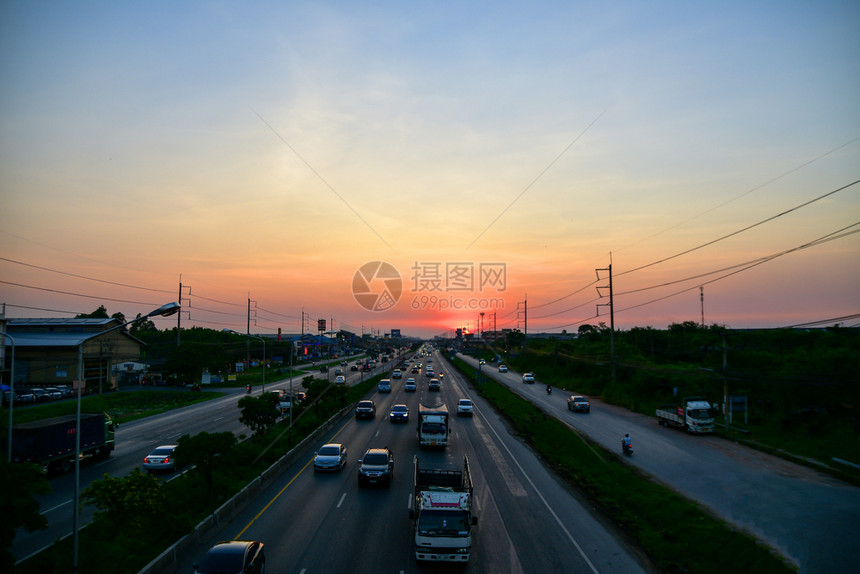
[(172, 557)]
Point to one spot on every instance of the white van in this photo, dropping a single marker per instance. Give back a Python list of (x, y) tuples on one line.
[(385, 386)]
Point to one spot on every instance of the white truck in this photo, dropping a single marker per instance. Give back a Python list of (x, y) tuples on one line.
[(693, 415), (442, 513), (283, 400), (433, 427)]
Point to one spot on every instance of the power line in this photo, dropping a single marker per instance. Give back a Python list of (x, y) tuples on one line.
[(747, 228), (83, 276), (749, 191)]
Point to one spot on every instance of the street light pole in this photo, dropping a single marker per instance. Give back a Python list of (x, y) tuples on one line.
[(164, 311), (11, 392)]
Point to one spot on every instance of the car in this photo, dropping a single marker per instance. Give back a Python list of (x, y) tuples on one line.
[(376, 467), (579, 404), (399, 414), (324, 369), (415, 370), (529, 378), (54, 393), (503, 368), (25, 396), (397, 374), (353, 368), (233, 557), (464, 408), (365, 409), (160, 459), (340, 380), (433, 385), (384, 386), (330, 457), (41, 395), (410, 386)]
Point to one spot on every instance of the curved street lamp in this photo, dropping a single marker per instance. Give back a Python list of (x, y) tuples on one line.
[(165, 310)]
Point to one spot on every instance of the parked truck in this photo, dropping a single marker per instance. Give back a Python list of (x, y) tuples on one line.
[(433, 427), (442, 513), (693, 415), (50, 443)]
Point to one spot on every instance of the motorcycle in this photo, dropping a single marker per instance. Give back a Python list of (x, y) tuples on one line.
[(627, 449), (549, 390), (248, 389)]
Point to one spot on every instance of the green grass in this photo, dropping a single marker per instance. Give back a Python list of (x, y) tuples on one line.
[(122, 406), (677, 534)]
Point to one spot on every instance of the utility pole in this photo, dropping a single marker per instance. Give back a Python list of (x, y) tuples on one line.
[(702, 299), (179, 314), (611, 306)]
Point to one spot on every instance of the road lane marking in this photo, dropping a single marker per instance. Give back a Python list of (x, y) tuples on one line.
[(546, 504), (511, 480), (286, 486), (339, 502), (58, 506)]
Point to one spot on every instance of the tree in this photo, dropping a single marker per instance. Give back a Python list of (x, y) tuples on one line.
[(203, 451), (141, 327), (130, 504), (19, 483), (101, 313), (259, 413), (190, 359)]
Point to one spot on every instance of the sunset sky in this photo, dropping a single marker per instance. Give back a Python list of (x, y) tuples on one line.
[(269, 150)]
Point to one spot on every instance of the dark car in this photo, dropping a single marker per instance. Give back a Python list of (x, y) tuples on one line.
[(376, 467), (578, 404), (233, 557), (365, 410), (324, 369), (434, 385), (399, 414)]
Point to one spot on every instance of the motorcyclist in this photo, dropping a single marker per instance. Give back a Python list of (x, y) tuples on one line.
[(626, 443), (247, 388), (548, 390)]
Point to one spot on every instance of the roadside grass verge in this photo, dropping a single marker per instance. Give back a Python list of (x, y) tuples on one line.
[(122, 406), (676, 534)]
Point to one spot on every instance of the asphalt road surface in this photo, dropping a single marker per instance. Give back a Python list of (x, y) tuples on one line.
[(807, 516)]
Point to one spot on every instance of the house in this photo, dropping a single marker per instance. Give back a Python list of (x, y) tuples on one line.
[(47, 351)]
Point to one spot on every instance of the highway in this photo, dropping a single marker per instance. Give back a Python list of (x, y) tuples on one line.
[(136, 439), (528, 521), (806, 515)]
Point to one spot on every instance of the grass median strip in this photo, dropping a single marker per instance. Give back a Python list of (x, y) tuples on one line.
[(677, 534)]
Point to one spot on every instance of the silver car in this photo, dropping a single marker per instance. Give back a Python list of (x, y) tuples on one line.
[(161, 459), (330, 457)]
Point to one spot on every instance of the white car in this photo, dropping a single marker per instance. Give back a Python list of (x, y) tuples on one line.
[(340, 380), (410, 386), (529, 378), (160, 459), (464, 408), (503, 368)]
